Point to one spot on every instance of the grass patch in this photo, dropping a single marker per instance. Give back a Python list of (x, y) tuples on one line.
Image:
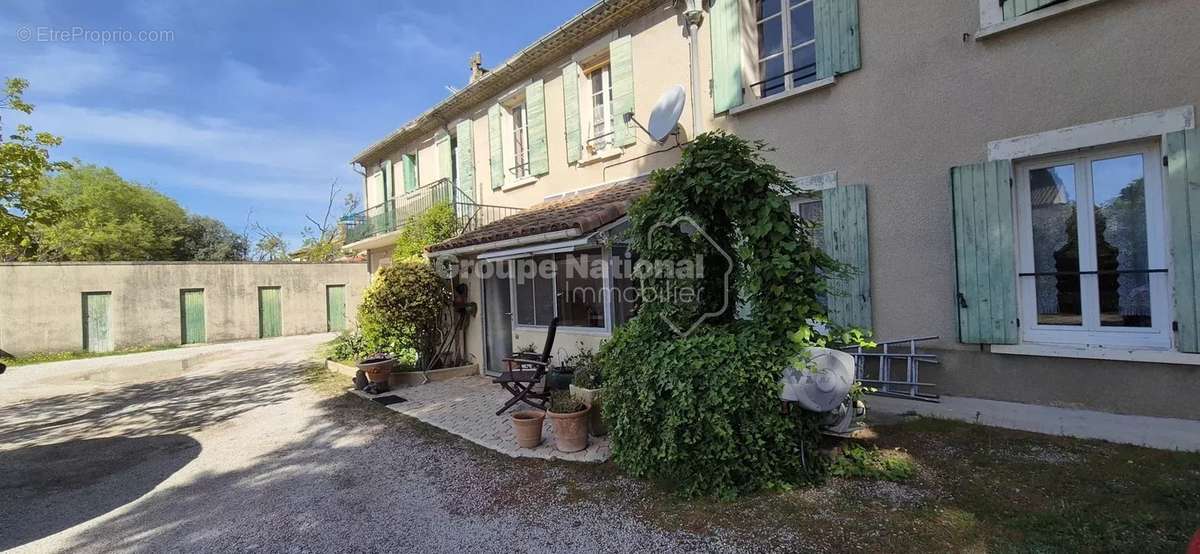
[(47, 357), (858, 461)]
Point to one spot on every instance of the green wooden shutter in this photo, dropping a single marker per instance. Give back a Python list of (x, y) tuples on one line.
[(410, 172), (465, 159), (570, 80), (535, 108), (270, 312), (984, 252), (97, 329), (335, 307), (389, 182), (378, 188), (496, 146), (725, 33), (191, 306), (837, 37), (445, 159), (844, 210), (1016, 8), (1183, 205), (620, 59)]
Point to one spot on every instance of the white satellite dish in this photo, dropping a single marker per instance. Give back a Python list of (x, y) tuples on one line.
[(665, 115), (822, 387)]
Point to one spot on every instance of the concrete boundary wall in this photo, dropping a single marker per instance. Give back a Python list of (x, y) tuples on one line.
[(41, 304)]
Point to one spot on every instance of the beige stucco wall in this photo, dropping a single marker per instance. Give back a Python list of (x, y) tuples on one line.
[(41, 306), (929, 97), (926, 100)]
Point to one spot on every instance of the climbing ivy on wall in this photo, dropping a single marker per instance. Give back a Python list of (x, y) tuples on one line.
[(697, 404)]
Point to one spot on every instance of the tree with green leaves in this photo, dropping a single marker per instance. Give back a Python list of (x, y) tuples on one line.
[(24, 161), (111, 219), (207, 239)]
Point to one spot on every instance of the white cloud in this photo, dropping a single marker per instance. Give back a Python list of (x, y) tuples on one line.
[(201, 138), (58, 71)]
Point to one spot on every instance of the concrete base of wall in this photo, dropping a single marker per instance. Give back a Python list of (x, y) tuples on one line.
[(1154, 432)]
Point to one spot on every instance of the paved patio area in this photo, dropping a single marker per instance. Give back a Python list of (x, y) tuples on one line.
[(467, 407)]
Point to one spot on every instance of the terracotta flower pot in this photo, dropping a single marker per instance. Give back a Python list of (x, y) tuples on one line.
[(377, 369), (570, 430), (527, 425)]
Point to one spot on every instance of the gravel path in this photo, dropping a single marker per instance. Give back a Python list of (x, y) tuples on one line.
[(234, 451)]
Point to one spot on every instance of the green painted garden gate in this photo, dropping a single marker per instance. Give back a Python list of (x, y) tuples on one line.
[(270, 313), (335, 307), (191, 316), (97, 330)]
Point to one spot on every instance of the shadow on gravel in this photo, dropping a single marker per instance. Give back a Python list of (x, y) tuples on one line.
[(175, 405), (50, 488)]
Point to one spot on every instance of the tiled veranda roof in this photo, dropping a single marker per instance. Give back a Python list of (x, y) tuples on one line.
[(586, 212)]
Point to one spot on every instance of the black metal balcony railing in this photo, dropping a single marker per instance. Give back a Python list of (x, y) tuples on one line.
[(392, 215), (472, 216)]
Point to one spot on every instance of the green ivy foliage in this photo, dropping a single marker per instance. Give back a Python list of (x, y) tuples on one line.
[(403, 309), (702, 411), (430, 227)]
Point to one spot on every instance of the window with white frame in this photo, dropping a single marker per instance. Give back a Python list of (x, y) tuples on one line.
[(787, 45), (599, 102), (519, 131), (1092, 249), (581, 288)]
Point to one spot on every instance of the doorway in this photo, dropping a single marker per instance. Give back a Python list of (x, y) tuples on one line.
[(497, 316)]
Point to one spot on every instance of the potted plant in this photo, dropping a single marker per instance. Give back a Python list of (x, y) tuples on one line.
[(527, 425), (569, 418), (587, 388), (377, 367), (559, 378)]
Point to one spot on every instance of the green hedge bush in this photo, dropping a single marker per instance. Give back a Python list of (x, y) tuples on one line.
[(702, 412), (404, 309), (701, 409)]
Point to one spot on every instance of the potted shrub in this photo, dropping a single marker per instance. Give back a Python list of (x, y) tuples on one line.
[(587, 388), (559, 378), (569, 418), (377, 367), (527, 425)]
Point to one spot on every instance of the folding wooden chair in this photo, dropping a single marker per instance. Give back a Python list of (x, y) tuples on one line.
[(525, 371)]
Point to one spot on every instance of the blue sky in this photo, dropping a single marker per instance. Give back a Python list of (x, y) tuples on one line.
[(249, 108)]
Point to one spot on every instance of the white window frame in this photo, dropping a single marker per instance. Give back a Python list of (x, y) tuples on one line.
[(606, 330), (991, 16), (1091, 335), (591, 145), (785, 17), (518, 128)]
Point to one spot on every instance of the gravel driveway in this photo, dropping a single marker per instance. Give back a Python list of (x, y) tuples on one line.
[(231, 447)]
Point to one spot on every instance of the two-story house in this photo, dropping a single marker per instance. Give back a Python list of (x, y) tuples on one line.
[(1018, 177)]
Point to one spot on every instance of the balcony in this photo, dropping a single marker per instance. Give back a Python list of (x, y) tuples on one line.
[(381, 219)]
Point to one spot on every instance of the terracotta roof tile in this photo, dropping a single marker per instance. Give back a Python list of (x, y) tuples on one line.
[(586, 212)]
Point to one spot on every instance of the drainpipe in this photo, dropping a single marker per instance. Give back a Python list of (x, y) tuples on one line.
[(693, 15)]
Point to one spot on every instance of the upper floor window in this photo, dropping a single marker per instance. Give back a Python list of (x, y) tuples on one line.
[(787, 46), (600, 98), (520, 141)]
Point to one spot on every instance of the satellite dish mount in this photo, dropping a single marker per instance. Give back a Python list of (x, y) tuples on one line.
[(664, 118)]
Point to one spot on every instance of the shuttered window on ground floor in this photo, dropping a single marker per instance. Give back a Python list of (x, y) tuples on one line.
[(1093, 248)]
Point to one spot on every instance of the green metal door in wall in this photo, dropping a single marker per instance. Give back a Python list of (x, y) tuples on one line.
[(191, 316), (335, 307), (270, 316), (97, 331)]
